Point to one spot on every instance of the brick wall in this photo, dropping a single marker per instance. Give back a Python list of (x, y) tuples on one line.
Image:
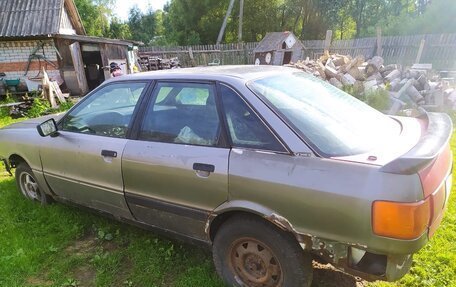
[(14, 57)]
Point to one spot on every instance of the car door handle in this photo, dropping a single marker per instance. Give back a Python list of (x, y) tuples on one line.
[(203, 167), (109, 153)]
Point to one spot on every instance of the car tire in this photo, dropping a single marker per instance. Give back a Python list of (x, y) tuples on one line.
[(249, 251), (28, 185)]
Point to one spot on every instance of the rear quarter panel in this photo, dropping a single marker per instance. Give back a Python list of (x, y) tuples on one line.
[(322, 197)]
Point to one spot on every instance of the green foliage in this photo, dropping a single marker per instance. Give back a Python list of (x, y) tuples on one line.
[(5, 111), (39, 107), (142, 25), (119, 30), (63, 107), (352, 90), (378, 99), (436, 17)]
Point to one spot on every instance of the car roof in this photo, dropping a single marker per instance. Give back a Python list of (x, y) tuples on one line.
[(245, 73)]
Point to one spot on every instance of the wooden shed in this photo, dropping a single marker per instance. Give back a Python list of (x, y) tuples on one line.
[(49, 34), (278, 48)]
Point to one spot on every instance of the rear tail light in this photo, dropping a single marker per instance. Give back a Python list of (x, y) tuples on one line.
[(409, 221), (400, 220)]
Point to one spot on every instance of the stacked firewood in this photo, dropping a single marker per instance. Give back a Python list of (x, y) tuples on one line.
[(407, 87)]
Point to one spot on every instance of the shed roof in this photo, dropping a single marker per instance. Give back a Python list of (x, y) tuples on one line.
[(30, 18), (273, 41)]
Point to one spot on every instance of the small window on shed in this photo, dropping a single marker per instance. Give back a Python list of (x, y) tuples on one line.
[(284, 45)]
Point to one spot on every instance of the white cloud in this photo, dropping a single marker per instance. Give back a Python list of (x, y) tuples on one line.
[(124, 6)]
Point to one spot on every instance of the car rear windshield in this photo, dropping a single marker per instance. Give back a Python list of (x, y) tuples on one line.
[(330, 120)]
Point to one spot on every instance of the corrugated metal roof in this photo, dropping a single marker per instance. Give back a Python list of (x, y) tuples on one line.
[(273, 41), (22, 18)]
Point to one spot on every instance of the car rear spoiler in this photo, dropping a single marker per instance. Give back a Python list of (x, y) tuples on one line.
[(435, 138)]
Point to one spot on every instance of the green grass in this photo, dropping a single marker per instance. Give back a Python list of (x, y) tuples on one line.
[(58, 245)]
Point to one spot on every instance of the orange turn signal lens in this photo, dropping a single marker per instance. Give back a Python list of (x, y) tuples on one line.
[(400, 220)]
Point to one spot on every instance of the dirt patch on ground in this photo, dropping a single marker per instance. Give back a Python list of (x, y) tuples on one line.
[(109, 246), (85, 276), (325, 275), (83, 246), (35, 281)]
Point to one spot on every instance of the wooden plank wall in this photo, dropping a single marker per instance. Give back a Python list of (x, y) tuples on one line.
[(226, 54), (439, 49)]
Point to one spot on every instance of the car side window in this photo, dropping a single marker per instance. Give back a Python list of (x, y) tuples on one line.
[(183, 113), (107, 112), (244, 127)]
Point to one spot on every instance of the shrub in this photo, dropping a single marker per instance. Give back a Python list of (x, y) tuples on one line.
[(39, 107), (378, 99)]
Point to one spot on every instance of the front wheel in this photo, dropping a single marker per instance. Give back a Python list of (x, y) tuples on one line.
[(249, 251), (28, 185)]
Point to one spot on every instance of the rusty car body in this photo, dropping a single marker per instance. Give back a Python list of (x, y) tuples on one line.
[(268, 165)]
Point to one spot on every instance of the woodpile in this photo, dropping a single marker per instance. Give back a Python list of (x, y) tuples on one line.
[(407, 87)]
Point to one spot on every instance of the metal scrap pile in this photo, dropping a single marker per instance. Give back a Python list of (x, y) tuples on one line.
[(407, 87)]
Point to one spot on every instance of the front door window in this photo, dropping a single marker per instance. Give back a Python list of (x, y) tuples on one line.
[(107, 112)]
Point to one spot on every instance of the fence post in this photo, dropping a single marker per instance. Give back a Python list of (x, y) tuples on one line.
[(328, 40), (192, 59), (379, 42), (420, 51)]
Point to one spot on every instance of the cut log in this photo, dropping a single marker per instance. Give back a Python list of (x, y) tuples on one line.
[(377, 76), (321, 69), (374, 65), (395, 85), (414, 94), (370, 86), (393, 75), (331, 73), (347, 80), (422, 67), (396, 106), (424, 82), (341, 60), (336, 83), (354, 63), (402, 93)]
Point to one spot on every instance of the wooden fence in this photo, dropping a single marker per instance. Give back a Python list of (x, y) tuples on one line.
[(202, 55), (438, 49)]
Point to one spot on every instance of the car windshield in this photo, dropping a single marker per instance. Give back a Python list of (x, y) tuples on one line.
[(330, 120)]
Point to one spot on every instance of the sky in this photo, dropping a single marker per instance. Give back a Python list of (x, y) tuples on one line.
[(123, 6)]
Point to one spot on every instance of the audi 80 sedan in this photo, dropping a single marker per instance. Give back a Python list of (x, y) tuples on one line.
[(268, 166)]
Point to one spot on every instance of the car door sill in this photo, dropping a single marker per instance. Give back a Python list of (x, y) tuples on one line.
[(185, 211), (155, 229)]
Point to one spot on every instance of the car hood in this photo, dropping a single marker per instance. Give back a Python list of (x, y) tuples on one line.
[(32, 123)]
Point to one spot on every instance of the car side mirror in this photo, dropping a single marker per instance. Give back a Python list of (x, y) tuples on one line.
[(47, 128)]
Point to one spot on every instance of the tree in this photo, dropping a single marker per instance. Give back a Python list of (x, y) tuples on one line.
[(95, 15), (119, 29), (142, 26)]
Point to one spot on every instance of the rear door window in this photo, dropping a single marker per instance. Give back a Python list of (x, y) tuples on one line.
[(182, 113)]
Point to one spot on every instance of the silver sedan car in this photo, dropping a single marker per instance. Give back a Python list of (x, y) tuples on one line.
[(268, 166)]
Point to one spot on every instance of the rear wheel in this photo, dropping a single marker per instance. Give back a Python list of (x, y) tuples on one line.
[(249, 251), (28, 185)]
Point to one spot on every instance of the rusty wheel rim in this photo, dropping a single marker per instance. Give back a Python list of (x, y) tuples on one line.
[(254, 264)]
